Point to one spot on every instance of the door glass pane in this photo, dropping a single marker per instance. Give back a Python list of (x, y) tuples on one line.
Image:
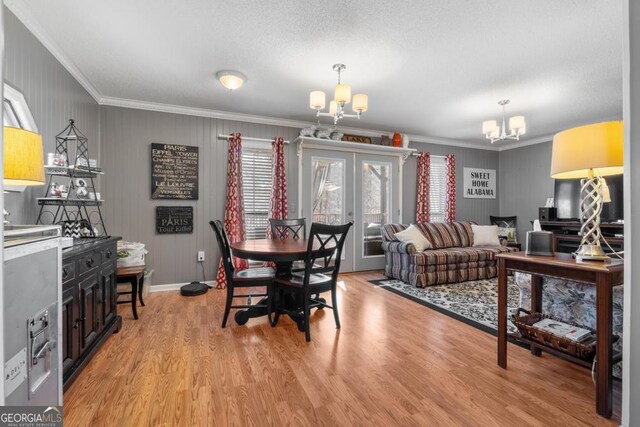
[(328, 189), (376, 205)]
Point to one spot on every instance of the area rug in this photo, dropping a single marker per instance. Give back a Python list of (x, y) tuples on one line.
[(474, 303)]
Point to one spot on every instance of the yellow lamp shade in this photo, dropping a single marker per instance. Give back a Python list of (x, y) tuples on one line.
[(579, 151), (343, 93), (23, 158), (317, 100), (489, 126), (360, 102), (333, 107)]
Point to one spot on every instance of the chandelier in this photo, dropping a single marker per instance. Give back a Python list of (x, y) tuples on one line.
[(342, 97), (493, 132)]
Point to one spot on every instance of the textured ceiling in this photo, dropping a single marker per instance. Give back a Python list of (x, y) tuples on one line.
[(435, 68)]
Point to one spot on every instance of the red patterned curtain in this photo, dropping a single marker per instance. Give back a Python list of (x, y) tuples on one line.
[(450, 214), (279, 204), (422, 195), (234, 211)]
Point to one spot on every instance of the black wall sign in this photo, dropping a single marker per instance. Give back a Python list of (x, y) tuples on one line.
[(174, 172), (174, 219)]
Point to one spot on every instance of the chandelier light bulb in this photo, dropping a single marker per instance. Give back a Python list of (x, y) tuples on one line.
[(333, 107), (343, 93), (317, 100), (360, 103), (489, 126), (517, 124)]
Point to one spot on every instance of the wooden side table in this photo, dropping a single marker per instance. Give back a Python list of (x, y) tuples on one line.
[(604, 275), (135, 276)]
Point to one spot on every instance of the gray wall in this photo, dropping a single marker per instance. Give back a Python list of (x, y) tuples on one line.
[(631, 90), (129, 210), (466, 209), (525, 183), (53, 96)]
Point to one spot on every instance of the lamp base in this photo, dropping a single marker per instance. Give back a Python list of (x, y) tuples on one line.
[(590, 252)]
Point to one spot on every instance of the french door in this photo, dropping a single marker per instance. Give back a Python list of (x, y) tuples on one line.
[(338, 187)]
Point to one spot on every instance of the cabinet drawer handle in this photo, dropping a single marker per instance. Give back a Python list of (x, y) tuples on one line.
[(90, 262), (108, 253), (65, 273)]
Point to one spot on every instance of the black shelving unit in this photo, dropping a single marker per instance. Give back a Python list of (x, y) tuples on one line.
[(72, 207)]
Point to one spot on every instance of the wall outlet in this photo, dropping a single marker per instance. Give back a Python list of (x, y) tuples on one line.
[(200, 256)]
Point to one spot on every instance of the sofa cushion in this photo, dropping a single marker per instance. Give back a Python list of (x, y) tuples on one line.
[(435, 256), (465, 233), (471, 254), (492, 251), (440, 234)]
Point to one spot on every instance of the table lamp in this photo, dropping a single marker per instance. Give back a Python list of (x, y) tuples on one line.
[(589, 152), (23, 158)]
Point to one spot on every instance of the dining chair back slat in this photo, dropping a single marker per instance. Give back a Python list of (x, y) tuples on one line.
[(294, 228)]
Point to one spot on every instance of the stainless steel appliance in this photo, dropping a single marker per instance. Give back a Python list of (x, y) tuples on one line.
[(32, 316)]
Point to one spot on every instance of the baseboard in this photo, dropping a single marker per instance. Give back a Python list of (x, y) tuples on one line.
[(174, 286)]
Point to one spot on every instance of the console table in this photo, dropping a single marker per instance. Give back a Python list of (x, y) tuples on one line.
[(604, 275)]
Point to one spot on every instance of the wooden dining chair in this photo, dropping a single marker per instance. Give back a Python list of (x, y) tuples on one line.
[(322, 265), (251, 277), (295, 228)]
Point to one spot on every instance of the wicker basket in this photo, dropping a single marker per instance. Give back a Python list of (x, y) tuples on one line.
[(524, 323)]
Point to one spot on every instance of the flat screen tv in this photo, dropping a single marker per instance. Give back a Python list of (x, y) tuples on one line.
[(567, 199)]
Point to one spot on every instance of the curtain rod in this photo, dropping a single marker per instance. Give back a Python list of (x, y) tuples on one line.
[(433, 155), (248, 138)]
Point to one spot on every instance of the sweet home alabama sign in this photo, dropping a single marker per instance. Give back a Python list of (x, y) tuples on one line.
[(479, 183)]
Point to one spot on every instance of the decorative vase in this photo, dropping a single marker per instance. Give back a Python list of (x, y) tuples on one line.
[(397, 140), (405, 141)]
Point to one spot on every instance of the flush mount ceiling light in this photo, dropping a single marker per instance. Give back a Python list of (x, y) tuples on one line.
[(342, 96), (493, 132), (230, 79)]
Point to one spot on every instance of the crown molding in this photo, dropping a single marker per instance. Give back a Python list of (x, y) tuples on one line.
[(24, 14)]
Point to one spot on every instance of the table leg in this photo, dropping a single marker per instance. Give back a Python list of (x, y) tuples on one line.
[(502, 313), (140, 290), (134, 294), (604, 344), (536, 303)]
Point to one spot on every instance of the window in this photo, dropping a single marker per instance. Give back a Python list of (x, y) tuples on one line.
[(438, 188), (257, 171)]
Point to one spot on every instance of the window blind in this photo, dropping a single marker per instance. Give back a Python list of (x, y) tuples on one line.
[(257, 171), (438, 188)]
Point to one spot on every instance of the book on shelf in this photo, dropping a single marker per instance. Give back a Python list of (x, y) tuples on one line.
[(565, 330)]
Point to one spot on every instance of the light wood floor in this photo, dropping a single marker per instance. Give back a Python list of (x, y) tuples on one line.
[(394, 362)]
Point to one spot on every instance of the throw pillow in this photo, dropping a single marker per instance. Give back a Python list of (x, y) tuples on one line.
[(508, 233), (485, 235), (413, 235)]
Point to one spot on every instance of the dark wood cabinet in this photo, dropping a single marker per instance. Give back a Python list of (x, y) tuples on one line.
[(89, 311), (89, 306), (70, 328)]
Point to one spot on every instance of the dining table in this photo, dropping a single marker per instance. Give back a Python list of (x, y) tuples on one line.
[(282, 252)]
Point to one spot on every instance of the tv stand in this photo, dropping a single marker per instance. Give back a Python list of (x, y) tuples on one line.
[(566, 235)]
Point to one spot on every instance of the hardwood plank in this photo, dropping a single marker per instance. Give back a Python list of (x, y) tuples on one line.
[(394, 362)]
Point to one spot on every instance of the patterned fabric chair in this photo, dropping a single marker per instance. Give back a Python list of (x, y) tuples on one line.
[(575, 302), (452, 259)]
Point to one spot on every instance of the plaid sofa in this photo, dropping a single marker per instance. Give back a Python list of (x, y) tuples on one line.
[(452, 259)]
